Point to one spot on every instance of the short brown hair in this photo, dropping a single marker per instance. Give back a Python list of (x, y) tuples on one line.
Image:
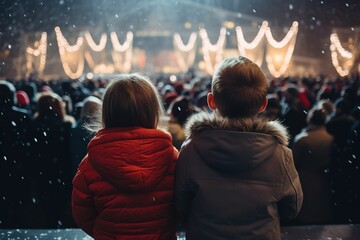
[(131, 100), (239, 87)]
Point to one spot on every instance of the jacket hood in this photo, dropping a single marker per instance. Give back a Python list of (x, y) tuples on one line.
[(133, 159), (234, 145)]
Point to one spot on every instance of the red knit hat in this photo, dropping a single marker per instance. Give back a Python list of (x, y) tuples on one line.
[(169, 97), (22, 98)]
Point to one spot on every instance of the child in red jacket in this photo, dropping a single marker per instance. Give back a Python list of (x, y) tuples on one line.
[(123, 188)]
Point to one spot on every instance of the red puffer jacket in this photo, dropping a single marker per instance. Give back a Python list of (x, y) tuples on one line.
[(123, 188)]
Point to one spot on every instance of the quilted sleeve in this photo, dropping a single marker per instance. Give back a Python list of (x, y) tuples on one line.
[(83, 208)]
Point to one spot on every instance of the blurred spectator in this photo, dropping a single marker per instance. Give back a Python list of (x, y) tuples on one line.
[(167, 89), (68, 105), (201, 101), (273, 109), (325, 92), (30, 89), (343, 163), (349, 94), (52, 158), (351, 175), (14, 156), (80, 136), (293, 113), (328, 106), (23, 101), (168, 98), (340, 123), (45, 88), (179, 111), (311, 150)]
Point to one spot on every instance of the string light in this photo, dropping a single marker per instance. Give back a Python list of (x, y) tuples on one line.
[(185, 54), (335, 62), (289, 40), (284, 66), (334, 39), (335, 47), (79, 71), (40, 50), (64, 43), (120, 63), (180, 44), (244, 46), (65, 48), (125, 46), (207, 47), (96, 47), (290, 35)]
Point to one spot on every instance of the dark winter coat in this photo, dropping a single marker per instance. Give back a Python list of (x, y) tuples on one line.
[(14, 162), (124, 186), (51, 169), (312, 150), (235, 178)]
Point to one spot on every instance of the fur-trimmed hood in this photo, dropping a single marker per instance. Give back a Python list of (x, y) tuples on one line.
[(204, 120), (234, 144)]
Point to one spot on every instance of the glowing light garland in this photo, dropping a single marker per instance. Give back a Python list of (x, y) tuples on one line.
[(243, 45), (335, 40), (65, 48), (31, 53), (96, 47), (122, 53), (120, 63), (284, 66), (289, 40), (64, 43), (335, 47), (182, 50), (290, 35), (180, 44), (121, 47), (207, 47)]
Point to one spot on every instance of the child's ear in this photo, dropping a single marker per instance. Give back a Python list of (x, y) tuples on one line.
[(211, 102), (263, 106)]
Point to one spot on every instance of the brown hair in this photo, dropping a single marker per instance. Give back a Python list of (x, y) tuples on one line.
[(239, 87), (130, 100), (50, 104), (317, 116)]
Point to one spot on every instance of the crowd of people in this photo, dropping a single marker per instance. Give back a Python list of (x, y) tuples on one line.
[(45, 129)]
